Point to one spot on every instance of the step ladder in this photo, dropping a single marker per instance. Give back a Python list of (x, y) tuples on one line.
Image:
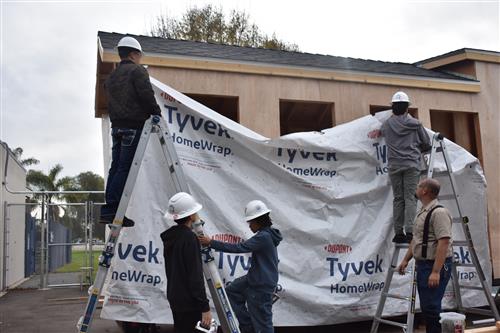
[(408, 326), (438, 147), (156, 125)]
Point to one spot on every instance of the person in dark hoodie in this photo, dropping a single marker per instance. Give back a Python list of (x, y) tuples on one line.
[(251, 295), (406, 139), (181, 250), (131, 101)]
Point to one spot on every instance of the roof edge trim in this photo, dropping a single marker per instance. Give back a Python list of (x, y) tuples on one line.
[(466, 54), (301, 72)]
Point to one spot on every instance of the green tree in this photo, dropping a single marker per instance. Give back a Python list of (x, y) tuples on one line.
[(84, 181), (38, 180), (18, 153), (209, 24)]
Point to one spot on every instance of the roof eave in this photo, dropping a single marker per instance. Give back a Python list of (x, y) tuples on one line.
[(465, 54), (211, 64)]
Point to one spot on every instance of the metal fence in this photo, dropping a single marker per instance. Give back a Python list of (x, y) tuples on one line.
[(61, 242)]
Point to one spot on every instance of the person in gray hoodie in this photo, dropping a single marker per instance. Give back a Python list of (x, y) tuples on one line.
[(406, 139), (251, 295)]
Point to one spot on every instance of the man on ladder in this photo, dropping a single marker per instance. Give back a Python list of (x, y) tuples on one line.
[(131, 102), (432, 249), (406, 139)]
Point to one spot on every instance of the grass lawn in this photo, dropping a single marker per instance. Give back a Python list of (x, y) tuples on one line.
[(77, 261)]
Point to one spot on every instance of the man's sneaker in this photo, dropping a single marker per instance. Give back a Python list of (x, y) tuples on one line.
[(108, 219), (399, 239), (409, 237)]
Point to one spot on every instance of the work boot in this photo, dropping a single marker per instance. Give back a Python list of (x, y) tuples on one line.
[(108, 219), (399, 239), (409, 237)]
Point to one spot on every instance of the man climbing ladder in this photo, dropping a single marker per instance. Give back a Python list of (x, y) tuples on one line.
[(157, 126), (429, 276), (432, 250), (131, 102)]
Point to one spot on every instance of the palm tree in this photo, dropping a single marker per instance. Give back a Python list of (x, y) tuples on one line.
[(18, 152), (37, 180), (48, 182)]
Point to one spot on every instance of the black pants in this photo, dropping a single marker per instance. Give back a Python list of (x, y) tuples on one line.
[(185, 322)]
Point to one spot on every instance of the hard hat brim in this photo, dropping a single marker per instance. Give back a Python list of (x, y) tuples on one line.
[(192, 211), (254, 216)]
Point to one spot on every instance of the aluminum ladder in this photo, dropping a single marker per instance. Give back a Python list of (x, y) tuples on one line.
[(438, 147), (410, 299), (156, 125)]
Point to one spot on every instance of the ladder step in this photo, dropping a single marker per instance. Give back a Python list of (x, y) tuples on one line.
[(406, 298), (445, 197), (479, 311), (459, 264), (390, 322), (460, 243), (435, 174), (461, 286), (456, 220)]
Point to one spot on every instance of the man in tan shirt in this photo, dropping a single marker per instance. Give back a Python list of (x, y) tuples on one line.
[(432, 249)]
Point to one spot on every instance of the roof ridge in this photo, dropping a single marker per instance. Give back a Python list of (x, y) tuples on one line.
[(258, 48), (227, 52)]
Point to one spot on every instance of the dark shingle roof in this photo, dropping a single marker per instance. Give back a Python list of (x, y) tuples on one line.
[(452, 53), (274, 57)]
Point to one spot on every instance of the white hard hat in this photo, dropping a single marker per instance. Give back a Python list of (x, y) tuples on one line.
[(182, 205), (400, 96), (254, 209), (131, 42)]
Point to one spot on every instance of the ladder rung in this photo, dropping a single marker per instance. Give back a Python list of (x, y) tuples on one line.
[(435, 174), (406, 298), (390, 322), (459, 264), (460, 243), (456, 220), (479, 311), (446, 197), (470, 287)]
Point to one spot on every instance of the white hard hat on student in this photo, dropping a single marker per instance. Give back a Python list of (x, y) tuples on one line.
[(254, 209), (400, 96), (182, 205), (129, 42)]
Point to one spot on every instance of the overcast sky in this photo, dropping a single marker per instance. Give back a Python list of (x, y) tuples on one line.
[(48, 54)]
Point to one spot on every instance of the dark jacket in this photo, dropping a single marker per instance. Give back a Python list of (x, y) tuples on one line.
[(407, 139), (185, 283), (130, 95), (263, 272)]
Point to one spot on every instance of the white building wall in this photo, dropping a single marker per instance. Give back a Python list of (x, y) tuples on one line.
[(12, 229)]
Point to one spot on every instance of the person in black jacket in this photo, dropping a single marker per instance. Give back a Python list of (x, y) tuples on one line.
[(181, 250), (131, 101)]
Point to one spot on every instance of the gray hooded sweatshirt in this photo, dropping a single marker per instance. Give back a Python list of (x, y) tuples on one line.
[(407, 139)]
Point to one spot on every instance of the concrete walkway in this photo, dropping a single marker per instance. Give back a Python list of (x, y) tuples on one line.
[(58, 310)]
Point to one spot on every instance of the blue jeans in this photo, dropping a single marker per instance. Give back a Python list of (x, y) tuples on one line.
[(430, 298), (404, 182), (125, 141), (253, 308)]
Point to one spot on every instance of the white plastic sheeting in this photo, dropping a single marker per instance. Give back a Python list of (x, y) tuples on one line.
[(330, 197)]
